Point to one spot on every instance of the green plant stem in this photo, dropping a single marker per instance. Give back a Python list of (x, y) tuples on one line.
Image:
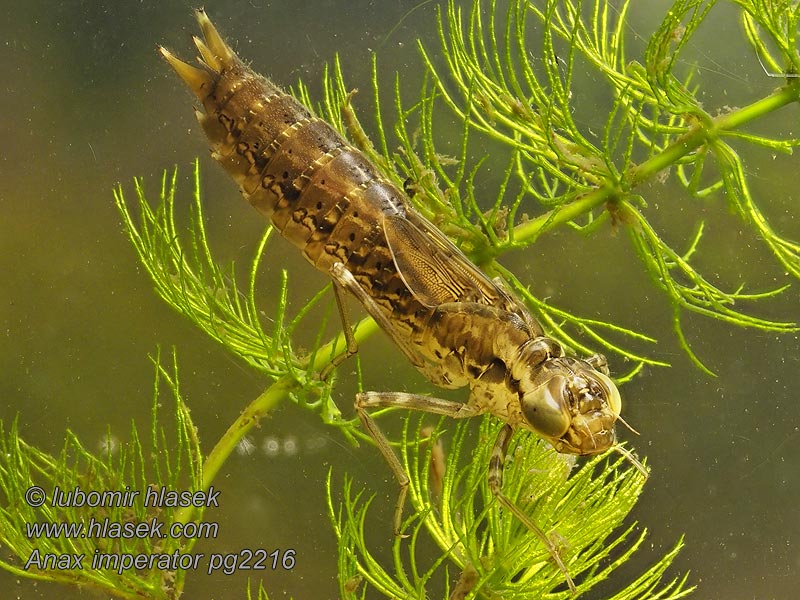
[(525, 233), (248, 419), (712, 130), (703, 133), (263, 404), (778, 99)]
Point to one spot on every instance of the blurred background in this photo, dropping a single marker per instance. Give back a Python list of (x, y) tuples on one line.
[(86, 103)]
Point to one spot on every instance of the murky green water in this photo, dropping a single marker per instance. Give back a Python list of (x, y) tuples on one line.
[(86, 102)]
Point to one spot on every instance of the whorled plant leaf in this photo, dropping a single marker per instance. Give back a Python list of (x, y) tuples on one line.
[(583, 508), (168, 457)]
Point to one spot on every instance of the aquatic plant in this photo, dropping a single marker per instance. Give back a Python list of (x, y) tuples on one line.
[(519, 97), (168, 457)]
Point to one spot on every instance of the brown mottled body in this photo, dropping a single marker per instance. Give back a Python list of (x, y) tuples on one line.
[(454, 324), (321, 193)]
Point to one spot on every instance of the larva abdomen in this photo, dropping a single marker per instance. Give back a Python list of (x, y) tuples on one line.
[(321, 193)]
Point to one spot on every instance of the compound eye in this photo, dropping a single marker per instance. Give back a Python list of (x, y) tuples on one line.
[(611, 392), (547, 407)]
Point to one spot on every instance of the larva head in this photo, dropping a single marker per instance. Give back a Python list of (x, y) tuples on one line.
[(571, 404)]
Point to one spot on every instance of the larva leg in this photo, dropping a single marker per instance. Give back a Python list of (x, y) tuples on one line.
[(344, 278), (495, 485), (434, 406), (369, 400), (349, 337)]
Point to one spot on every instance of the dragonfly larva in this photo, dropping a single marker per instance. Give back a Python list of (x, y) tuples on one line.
[(454, 324)]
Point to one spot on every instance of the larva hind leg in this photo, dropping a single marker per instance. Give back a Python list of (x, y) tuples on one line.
[(370, 400), (344, 280)]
